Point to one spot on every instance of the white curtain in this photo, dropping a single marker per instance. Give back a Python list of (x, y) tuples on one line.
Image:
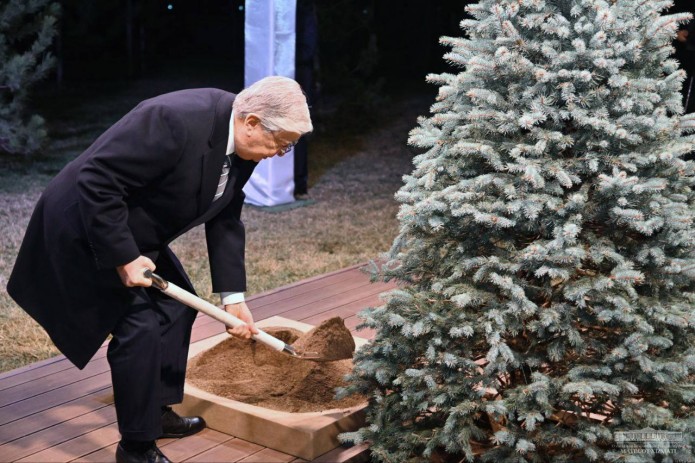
[(269, 46)]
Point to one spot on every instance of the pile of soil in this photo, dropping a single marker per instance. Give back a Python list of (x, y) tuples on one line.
[(330, 341), (253, 373)]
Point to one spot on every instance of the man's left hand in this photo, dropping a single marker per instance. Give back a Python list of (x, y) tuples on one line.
[(242, 312)]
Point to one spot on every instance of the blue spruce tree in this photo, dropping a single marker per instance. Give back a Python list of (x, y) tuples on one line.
[(27, 29), (546, 249)]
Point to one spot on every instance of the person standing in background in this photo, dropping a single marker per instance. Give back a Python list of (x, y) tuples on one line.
[(306, 55)]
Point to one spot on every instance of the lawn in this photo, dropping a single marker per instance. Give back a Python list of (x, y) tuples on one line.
[(355, 168)]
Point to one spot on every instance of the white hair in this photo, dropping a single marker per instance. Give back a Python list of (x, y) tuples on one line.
[(278, 101)]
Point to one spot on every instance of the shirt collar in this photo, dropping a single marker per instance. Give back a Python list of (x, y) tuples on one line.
[(230, 140)]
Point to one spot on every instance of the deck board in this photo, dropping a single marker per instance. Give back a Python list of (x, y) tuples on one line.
[(231, 450), (51, 382), (76, 447), (38, 421), (268, 456), (53, 398), (183, 449), (51, 411), (50, 436)]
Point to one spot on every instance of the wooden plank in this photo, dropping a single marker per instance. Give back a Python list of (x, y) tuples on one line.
[(343, 311), (53, 381), (189, 447), (174, 449), (268, 456), (318, 285), (29, 367), (77, 447), (231, 450), (104, 455), (108, 454), (60, 364), (325, 276), (53, 416), (24, 377), (304, 289), (354, 454), (303, 300), (50, 437), (330, 303), (54, 398)]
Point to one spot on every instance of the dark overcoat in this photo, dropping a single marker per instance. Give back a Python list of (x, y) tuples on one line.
[(148, 179)]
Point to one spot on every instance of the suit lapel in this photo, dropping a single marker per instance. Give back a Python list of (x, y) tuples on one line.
[(214, 208), (213, 159), (227, 196), (211, 170)]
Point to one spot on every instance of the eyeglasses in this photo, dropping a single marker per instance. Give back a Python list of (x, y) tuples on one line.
[(285, 149), (282, 149)]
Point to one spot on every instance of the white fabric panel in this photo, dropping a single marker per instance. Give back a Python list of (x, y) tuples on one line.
[(269, 51)]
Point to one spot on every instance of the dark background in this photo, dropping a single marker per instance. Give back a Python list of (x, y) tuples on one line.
[(369, 53), (382, 46), (394, 42)]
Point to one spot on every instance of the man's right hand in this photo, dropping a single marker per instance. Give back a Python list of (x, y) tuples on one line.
[(133, 273)]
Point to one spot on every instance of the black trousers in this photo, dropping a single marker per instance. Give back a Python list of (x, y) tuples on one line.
[(301, 167), (304, 75), (148, 355)]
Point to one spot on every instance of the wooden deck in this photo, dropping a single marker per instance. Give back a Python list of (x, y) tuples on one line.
[(52, 412)]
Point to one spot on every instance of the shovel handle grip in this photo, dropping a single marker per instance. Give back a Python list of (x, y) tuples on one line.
[(201, 305)]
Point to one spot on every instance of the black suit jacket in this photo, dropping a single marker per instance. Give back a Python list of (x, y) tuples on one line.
[(148, 179)]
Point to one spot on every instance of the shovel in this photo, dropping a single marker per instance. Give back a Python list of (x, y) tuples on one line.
[(201, 305)]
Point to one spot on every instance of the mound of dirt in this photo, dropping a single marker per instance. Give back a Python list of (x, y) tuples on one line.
[(253, 373), (331, 340)]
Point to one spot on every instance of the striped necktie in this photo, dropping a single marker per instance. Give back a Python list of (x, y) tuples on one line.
[(223, 178)]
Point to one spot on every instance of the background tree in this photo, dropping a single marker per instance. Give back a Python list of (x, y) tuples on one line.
[(546, 246), (27, 28)]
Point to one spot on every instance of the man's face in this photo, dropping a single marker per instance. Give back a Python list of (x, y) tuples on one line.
[(253, 142)]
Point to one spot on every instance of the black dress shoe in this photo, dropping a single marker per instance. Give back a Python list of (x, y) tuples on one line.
[(151, 455), (176, 426)]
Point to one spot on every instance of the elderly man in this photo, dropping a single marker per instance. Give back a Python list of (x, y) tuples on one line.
[(174, 162)]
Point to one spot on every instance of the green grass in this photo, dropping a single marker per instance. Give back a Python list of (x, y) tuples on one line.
[(354, 171)]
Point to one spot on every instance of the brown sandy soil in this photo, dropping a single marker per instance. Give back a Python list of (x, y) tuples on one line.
[(252, 373)]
